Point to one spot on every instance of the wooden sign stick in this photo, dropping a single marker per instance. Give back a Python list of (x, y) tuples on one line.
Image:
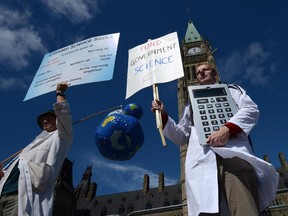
[(158, 115)]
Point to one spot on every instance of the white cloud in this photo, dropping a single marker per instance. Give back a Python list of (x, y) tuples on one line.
[(254, 65), (12, 19), (18, 39), (124, 177), (74, 10), (18, 44), (8, 83)]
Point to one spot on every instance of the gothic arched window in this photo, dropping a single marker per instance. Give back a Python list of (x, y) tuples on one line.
[(148, 205), (121, 209), (187, 72)]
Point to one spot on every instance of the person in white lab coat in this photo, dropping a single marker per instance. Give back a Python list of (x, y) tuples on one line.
[(222, 172), (27, 185)]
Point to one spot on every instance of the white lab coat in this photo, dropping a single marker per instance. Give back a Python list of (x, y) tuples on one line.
[(40, 163), (201, 167)]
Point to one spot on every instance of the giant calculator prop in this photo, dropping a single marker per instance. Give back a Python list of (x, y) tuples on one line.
[(212, 107)]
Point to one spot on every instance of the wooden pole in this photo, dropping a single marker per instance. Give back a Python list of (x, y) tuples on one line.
[(158, 115)]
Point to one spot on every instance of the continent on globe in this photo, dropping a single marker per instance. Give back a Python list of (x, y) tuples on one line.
[(119, 136), (133, 109)]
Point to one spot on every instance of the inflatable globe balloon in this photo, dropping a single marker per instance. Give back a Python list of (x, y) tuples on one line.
[(133, 109), (119, 136)]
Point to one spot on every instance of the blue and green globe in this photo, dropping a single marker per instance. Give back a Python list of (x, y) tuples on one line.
[(133, 109), (119, 136)]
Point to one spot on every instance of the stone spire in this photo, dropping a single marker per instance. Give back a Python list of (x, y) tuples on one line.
[(192, 34), (283, 161)]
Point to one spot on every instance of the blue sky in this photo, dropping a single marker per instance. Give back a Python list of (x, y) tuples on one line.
[(250, 37)]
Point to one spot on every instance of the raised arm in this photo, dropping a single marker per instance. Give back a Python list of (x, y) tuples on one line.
[(60, 91)]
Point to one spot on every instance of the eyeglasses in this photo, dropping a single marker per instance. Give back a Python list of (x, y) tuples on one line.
[(47, 119), (203, 70)]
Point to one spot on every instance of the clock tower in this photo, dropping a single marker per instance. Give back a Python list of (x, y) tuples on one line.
[(194, 50)]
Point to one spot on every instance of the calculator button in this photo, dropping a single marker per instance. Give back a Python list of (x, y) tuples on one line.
[(206, 129), (221, 99), (217, 105), (221, 116), (214, 122), (209, 106), (223, 121), (219, 110), (229, 114), (207, 135), (203, 117), (202, 112), (211, 111), (201, 107), (205, 123), (226, 104), (212, 116), (228, 109), (216, 128), (201, 101)]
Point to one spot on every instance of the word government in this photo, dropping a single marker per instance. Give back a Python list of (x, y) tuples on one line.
[(153, 52)]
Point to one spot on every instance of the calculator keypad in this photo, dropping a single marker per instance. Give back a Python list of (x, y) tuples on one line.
[(215, 112)]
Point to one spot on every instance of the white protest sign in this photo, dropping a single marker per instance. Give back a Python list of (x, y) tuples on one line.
[(156, 61), (90, 60)]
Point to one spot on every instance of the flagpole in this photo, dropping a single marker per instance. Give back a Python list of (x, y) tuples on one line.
[(158, 115)]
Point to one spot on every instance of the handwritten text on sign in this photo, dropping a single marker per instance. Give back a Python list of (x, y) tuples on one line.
[(156, 61), (90, 60)]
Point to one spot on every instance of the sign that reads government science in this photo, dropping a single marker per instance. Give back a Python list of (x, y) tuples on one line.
[(156, 61), (90, 60)]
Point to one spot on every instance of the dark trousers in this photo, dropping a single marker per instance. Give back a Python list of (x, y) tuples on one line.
[(9, 205)]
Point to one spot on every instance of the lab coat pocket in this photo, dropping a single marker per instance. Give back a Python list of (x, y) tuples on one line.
[(40, 174)]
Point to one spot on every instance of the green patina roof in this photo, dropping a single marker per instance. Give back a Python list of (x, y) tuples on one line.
[(192, 34)]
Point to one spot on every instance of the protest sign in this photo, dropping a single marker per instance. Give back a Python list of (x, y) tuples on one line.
[(90, 60), (156, 61)]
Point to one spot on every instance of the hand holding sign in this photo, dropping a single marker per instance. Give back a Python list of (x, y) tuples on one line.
[(156, 61), (90, 60)]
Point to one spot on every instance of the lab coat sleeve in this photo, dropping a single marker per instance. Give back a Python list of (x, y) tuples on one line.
[(64, 120), (179, 133), (63, 141), (248, 113)]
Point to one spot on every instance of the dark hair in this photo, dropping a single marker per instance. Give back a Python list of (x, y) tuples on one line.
[(39, 117)]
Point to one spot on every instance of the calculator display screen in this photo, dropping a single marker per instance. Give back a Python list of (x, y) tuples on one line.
[(209, 92)]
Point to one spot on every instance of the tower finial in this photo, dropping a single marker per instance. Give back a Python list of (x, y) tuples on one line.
[(188, 12)]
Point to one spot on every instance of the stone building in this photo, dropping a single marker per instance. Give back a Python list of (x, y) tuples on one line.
[(279, 207), (160, 201), (146, 201)]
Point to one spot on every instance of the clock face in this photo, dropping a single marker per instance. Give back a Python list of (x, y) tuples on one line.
[(194, 51)]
